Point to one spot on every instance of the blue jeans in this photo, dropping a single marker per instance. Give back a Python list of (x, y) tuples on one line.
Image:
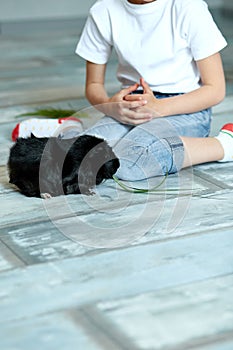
[(153, 148)]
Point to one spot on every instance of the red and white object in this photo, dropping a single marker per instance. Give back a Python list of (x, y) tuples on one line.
[(225, 137), (45, 127), (227, 129)]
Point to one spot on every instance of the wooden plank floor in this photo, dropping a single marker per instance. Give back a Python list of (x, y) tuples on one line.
[(114, 270)]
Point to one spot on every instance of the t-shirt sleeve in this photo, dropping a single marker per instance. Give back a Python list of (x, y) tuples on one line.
[(201, 32), (95, 42)]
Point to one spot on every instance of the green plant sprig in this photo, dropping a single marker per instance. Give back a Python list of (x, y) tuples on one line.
[(151, 190), (138, 190), (52, 113)]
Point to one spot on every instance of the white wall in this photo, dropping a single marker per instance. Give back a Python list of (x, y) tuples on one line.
[(15, 10)]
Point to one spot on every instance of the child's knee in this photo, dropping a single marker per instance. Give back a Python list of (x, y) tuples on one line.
[(139, 165)]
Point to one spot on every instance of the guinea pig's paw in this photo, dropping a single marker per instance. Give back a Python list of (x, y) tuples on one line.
[(45, 195)]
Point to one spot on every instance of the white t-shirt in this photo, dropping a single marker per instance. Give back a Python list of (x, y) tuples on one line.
[(159, 41)]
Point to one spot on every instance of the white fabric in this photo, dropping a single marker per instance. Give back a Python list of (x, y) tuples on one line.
[(48, 127), (158, 41), (225, 137)]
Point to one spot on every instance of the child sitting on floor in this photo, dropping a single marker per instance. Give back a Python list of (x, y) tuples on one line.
[(171, 73)]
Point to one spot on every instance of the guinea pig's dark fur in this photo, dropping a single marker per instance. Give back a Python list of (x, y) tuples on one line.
[(60, 166)]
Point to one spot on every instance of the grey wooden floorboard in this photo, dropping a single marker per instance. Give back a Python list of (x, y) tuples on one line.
[(114, 274), (191, 316), (50, 332), (217, 174), (188, 316), (222, 344), (8, 260), (110, 218), (43, 241)]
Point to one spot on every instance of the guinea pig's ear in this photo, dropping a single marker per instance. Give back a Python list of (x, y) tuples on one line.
[(33, 136)]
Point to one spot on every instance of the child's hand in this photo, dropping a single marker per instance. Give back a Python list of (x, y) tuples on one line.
[(152, 105), (127, 112)]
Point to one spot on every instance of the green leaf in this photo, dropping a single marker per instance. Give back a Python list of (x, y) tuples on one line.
[(51, 113)]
